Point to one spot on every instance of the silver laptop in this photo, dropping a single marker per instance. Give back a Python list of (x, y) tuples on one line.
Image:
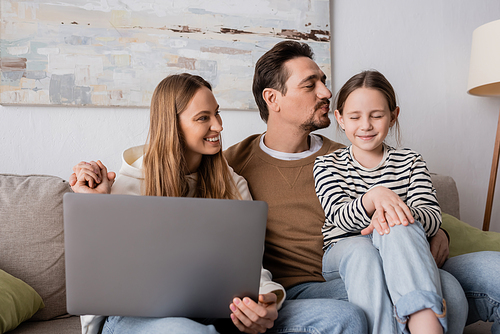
[(161, 256)]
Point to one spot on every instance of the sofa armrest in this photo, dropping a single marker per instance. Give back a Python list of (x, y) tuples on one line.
[(447, 194)]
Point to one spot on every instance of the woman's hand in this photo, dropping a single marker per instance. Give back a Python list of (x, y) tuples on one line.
[(389, 207), (251, 317), (91, 177)]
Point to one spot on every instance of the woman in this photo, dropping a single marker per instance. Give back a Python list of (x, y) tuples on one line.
[(182, 158)]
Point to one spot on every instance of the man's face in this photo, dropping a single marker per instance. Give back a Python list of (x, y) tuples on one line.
[(307, 100)]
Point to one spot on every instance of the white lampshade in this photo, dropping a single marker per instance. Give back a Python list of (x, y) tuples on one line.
[(484, 70)]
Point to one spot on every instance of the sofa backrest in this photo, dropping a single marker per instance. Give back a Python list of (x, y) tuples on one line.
[(31, 236), (447, 194)]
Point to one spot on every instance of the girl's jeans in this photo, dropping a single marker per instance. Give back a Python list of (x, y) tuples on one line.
[(389, 277)]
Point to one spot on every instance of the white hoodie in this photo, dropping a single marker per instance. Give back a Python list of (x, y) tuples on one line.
[(129, 182)]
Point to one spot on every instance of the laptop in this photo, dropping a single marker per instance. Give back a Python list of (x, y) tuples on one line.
[(161, 256)]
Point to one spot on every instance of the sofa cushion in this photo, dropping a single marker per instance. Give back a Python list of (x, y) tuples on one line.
[(467, 239), (32, 239), (64, 325), (18, 302)]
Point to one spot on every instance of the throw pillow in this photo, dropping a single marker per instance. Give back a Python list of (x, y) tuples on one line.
[(467, 239), (18, 302)]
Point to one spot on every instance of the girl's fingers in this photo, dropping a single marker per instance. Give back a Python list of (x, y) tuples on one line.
[(379, 223), (384, 228), (408, 214)]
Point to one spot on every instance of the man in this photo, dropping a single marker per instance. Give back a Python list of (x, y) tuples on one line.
[(289, 89)]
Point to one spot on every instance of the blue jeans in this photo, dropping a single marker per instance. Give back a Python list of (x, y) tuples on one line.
[(479, 275), (456, 303), (138, 325), (390, 277), (314, 316)]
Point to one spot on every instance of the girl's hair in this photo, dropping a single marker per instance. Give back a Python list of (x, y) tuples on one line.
[(165, 165), (374, 80)]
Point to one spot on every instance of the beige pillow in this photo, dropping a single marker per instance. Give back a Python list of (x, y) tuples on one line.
[(32, 239)]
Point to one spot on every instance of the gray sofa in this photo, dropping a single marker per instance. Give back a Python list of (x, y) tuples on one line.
[(32, 242)]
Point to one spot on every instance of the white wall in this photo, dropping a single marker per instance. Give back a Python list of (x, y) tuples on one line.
[(423, 48)]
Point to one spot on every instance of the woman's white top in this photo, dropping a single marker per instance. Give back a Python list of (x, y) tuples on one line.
[(129, 182)]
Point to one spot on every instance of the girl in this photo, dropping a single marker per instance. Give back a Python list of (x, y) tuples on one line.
[(370, 185), (183, 157)]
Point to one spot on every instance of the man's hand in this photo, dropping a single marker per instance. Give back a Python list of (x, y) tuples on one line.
[(91, 177), (251, 317), (440, 248)]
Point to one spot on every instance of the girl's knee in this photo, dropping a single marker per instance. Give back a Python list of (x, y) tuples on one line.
[(410, 229), (403, 234)]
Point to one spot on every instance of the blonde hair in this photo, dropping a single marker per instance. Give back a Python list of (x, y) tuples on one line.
[(164, 161)]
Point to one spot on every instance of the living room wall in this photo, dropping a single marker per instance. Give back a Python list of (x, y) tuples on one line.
[(422, 47)]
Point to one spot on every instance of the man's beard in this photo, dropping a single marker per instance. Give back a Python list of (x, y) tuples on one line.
[(313, 124)]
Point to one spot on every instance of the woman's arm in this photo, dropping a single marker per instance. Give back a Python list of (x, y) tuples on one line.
[(267, 285)]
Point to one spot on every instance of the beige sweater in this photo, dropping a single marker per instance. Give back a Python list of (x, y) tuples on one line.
[(294, 241)]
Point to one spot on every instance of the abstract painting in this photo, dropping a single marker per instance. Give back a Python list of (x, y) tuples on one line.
[(115, 52)]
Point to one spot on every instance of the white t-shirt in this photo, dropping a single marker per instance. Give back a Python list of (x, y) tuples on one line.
[(315, 146)]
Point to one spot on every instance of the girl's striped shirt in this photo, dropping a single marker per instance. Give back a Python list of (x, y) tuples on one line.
[(341, 182)]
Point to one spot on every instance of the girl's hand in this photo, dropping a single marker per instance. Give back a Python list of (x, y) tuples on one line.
[(380, 225), (91, 177), (391, 209), (251, 317)]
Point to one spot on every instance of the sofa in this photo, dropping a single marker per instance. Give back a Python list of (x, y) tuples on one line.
[(32, 251)]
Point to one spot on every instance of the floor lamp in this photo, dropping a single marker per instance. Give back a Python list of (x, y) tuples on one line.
[(484, 80)]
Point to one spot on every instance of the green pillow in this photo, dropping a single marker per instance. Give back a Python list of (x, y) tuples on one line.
[(467, 239), (18, 302)]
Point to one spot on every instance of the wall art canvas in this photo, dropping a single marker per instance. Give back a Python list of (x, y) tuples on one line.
[(115, 52)]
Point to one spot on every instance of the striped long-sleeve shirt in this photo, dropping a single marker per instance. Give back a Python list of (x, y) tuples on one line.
[(341, 182)]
